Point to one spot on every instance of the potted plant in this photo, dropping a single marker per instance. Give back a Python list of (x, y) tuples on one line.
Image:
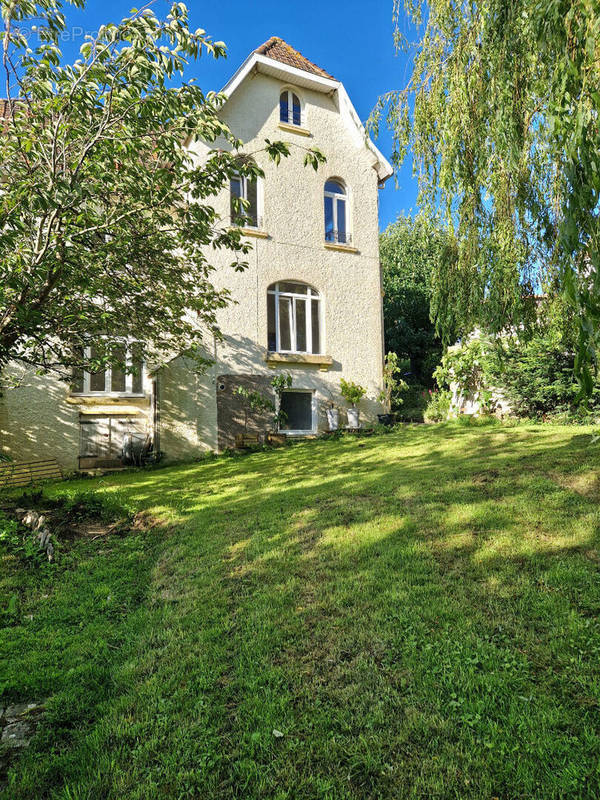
[(391, 384), (352, 393)]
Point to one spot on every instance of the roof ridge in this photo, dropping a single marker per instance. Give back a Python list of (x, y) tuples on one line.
[(279, 50)]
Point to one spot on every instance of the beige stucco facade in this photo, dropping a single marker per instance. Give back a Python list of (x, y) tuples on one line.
[(179, 406)]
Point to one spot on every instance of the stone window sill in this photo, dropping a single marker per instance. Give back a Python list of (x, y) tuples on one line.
[(342, 248), (276, 359), (285, 126), (255, 232), (107, 399)]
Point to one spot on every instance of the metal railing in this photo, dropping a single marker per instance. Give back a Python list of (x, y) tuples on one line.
[(247, 221), (291, 118), (338, 237)]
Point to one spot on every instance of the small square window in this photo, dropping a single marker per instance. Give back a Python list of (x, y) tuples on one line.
[(298, 410)]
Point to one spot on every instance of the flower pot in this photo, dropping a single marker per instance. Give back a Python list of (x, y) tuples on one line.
[(353, 418), (386, 419), (333, 418)]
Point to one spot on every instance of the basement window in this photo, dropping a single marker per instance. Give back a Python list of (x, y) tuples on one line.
[(298, 406), (104, 437)]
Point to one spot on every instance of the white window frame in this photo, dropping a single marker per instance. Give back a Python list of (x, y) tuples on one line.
[(314, 410), (108, 377), (335, 196), (259, 201), (292, 91), (311, 294)]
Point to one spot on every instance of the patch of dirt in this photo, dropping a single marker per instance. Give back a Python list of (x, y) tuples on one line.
[(70, 521), (485, 477), (584, 484)]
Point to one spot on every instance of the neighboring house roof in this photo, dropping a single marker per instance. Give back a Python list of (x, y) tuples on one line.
[(279, 60), (5, 108), (279, 50)]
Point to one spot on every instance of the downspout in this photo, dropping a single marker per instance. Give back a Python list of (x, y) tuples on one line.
[(155, 416)]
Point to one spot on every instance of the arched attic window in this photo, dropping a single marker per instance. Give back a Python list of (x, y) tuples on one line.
[(336, 212), (294, 318), (290, 109)]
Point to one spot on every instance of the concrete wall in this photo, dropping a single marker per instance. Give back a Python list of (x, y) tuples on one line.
[(36, 421), (349, 282), (40, 418), (187, 409)]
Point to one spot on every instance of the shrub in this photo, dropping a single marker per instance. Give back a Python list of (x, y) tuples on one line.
[(414, 402), (19, 542), (537, 378), (392, 386), (438, 406), (534, 376)]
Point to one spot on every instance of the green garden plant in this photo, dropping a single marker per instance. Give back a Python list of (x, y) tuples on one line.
[(352, 392), (392, 385)]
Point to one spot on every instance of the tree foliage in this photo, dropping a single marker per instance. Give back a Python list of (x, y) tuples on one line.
[(501, 115), (106, 227), (533, 374), (412, 252)]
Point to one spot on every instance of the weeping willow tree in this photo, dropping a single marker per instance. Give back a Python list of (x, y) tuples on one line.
[(501, 116)]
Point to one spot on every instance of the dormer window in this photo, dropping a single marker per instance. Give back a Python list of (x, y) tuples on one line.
[(336, 213), (290, 110)]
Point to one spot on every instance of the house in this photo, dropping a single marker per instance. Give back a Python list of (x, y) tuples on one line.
[(309, 303)]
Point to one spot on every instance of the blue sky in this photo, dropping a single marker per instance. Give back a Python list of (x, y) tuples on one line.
[(338, 35)]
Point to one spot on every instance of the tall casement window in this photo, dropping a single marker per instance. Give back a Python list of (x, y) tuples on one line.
[(290, 110), (113, 380), (244, 188), (336, 213), (294, 318)]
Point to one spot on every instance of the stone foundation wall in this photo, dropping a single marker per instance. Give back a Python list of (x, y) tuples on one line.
[(230, 407)]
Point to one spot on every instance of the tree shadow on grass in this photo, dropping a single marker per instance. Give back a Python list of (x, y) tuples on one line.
[(383, 602)]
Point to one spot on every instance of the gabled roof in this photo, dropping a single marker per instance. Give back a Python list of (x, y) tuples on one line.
[(279, 60), (281, 51)]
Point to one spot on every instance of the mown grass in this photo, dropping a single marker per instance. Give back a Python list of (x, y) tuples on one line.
[(416, 613)]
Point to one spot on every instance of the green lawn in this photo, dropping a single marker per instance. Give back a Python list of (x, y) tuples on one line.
[(416, 613)]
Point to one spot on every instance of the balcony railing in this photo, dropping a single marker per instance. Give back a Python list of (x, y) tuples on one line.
[(338, 237), (247, 221), (291, 118)]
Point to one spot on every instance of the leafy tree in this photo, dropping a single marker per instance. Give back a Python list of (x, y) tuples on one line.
[(392, 385), (501, 117), (412, 251), (106, 226)]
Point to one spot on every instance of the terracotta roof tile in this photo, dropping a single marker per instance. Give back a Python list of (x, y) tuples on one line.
[(5, 108), (279, 50)]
